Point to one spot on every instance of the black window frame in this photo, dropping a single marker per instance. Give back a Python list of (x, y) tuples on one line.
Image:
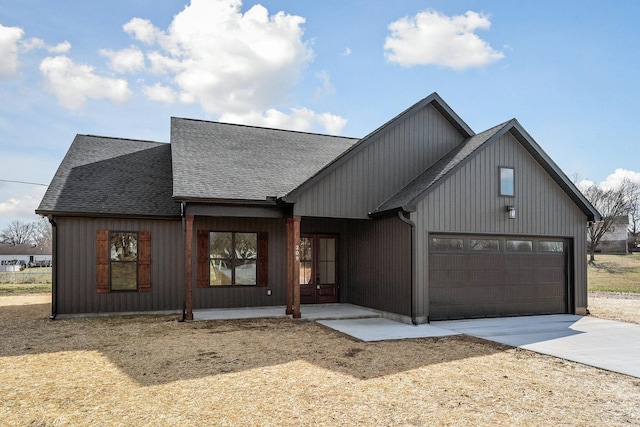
[(233, 260), (513, 181)]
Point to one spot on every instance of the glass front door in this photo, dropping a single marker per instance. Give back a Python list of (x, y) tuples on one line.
[(318, 269)]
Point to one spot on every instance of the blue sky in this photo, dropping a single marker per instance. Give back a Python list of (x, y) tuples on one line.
[(568, 71)]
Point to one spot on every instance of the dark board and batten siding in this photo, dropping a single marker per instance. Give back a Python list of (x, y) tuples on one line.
[(374, 261), (365, 180), (245, 296), (77, 287), (468, 202)]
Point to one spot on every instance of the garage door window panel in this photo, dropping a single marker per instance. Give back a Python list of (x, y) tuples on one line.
[(519, 246), (446, 244)]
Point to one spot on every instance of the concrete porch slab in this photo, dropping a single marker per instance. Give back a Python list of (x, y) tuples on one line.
[(379, 329), (310, 312)]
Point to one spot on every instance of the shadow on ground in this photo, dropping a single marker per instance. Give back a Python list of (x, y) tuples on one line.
[(158, 349)]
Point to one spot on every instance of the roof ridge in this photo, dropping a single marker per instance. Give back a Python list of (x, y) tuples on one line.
[(122, 139), (264, 128)]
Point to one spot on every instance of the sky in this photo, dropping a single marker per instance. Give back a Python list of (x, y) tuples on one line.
[(568, 71)]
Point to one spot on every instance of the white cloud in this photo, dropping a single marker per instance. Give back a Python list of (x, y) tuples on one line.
[(63, 47), (616, 179), (36, 43), (73, 83), (126, 60), (9, 37), (433, 38), (327, 88), (346, 51), (227, 61), (300, 119), (20, 206), (160, 93)]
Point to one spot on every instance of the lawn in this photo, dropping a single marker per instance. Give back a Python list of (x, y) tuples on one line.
[(615, 273), (147, 370)]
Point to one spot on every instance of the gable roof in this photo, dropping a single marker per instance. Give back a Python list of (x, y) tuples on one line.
[(407, 197), (112, 176), (224, 162), (25, 250), (434, 99)]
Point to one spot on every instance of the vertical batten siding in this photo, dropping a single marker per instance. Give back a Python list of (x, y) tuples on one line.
[(245, 296), (387, 164), (468, 201), (77, 267), (380, 265), (373, 260)]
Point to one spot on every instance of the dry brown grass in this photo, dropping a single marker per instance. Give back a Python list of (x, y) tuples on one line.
[(148, 370), (624, 307)]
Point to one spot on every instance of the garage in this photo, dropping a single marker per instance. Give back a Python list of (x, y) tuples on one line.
[(491, 276)]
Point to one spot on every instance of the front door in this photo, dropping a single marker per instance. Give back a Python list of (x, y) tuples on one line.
[(318, 269)]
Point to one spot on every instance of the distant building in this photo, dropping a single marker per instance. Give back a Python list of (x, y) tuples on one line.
[(12, 256), (615, 239)]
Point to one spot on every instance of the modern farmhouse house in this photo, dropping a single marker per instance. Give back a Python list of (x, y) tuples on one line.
[(422, 219)]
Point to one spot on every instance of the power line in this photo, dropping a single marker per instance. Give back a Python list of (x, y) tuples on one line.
[(23, 182)]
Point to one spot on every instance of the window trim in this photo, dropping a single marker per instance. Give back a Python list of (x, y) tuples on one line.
[(103, 261), (203, 259), (500, 182), (111, 261)]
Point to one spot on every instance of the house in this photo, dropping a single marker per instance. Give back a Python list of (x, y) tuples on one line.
[(15, 257), (422, 219), (615, 240)]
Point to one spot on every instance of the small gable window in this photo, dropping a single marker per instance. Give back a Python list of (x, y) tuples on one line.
[(507, 181)]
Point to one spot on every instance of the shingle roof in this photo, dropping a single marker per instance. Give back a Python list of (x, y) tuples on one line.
[(102, 175), (407, 196), (219, 161), (24, 250)]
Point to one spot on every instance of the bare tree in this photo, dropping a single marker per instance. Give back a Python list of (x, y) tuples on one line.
[(611, 203), (42, 234), (17, 233), (634, 221)]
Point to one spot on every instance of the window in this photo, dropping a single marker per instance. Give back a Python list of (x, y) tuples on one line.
[(227, 258), (123, 261), (507, 182), (233, 258), (446, 244), (519, 245), (550, 246), (485, 244)]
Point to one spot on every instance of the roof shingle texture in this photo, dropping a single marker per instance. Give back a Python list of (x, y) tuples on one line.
[(221, 161), (113, 176)]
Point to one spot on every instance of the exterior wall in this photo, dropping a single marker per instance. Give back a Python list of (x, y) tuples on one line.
[(245, 296), (76, 271), (366, 180), (468, 201), (374, 261)]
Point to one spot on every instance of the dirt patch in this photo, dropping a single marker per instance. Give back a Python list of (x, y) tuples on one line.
[(621, 306), (147, 370)]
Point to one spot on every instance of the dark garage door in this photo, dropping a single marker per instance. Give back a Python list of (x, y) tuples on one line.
[(487, 276)]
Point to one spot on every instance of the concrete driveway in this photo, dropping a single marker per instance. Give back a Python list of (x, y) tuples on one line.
[(606, 344)]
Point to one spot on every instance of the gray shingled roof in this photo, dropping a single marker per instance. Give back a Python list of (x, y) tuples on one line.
[(25, 250), (407, 196), (112, 176), (219, 161)]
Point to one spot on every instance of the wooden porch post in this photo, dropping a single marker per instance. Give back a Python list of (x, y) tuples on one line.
[(293, 267), (188, 267)]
